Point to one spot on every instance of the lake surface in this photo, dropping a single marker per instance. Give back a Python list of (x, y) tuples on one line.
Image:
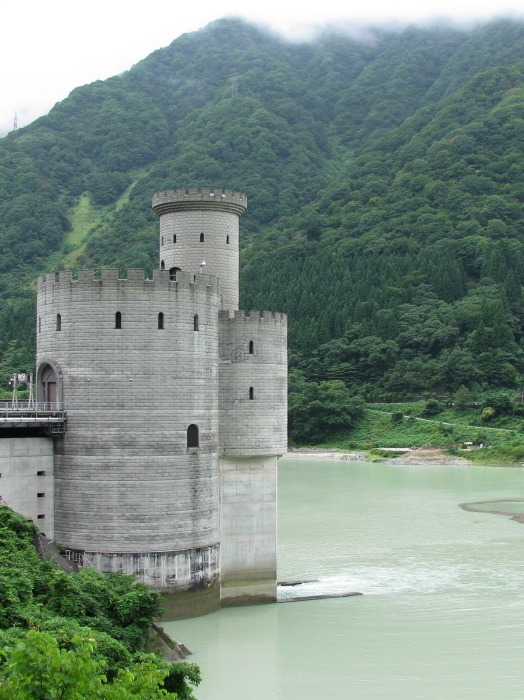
[(442, 615)]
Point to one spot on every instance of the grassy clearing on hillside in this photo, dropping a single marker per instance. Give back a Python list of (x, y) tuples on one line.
[(84, 217), (403, 425)]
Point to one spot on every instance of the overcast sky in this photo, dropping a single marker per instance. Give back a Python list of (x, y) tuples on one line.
[(47, 49)]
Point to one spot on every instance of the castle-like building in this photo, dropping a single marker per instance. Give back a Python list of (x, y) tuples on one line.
[(176, 413)]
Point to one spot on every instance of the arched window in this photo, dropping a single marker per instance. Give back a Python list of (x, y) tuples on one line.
[(227, 239), (118, 320), (174, 238), (195, 322), (172, 273), (192, 435), (58, 322), (161, 321), (251, 348), (201, 238), (162, 265), (251, 393)]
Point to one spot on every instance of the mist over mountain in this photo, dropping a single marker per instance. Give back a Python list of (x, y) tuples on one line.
[(385, 179)]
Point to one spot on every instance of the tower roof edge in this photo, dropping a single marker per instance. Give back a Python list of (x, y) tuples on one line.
[(173, 200)]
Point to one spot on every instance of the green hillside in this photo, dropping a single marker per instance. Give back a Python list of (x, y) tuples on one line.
[(385, 184)]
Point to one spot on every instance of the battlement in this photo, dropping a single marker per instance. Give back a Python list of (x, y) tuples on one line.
[(180, 199), (253, 317), (135, 279)]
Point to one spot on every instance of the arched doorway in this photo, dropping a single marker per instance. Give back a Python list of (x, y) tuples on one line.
[(48, 385)]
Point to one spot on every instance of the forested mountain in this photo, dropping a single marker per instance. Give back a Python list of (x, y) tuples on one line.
[(385, 179)]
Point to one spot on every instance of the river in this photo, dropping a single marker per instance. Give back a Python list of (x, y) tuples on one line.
[(442, 615)]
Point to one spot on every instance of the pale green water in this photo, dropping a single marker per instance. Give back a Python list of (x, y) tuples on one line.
[(443, 612)]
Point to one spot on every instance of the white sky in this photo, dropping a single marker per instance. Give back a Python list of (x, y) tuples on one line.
[(47, 49)]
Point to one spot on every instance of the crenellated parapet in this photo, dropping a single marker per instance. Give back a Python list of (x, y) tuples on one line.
[(253, 318), (176, 200), (135, 279)]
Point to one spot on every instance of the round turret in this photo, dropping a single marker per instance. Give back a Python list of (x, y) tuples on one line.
[(135, 361), (199, 232)]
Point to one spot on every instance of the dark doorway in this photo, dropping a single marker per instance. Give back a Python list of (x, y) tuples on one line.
[(192, 435), (48, 383)]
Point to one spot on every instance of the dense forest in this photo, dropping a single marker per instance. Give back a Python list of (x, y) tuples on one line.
[(385, 179)]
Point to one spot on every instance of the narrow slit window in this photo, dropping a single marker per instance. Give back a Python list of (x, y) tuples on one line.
[(174, 238), (251, 393), (227, 239), (251, 348), (162, 240), (118, 320), (201, 238), (39, 324), (192, 436), (58, 322), (161, 321), (195, 322)]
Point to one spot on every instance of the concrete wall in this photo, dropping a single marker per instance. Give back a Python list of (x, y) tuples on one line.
[(248, 530), (126, 482), (20, 484)]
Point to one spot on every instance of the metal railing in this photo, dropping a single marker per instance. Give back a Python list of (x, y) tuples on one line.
[(24, 406)]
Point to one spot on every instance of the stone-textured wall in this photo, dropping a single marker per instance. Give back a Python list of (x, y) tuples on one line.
[(252, 385), (126, 482), (213, 216), (21, 460)]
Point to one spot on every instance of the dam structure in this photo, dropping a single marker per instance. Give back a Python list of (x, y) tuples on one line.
[(176, 413)]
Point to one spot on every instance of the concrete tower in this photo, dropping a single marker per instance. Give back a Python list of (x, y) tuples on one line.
[(176, 412)]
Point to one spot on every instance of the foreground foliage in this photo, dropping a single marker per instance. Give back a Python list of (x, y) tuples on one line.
[(36, 668), (88, 619)]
